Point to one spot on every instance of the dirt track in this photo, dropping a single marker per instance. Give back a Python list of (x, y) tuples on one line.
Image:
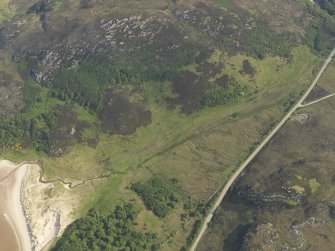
[(318, 100)]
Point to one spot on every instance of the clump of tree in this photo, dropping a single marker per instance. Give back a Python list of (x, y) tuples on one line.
[(106, 230), (222, 95), (29, 131), (328, 5), (158, 194), (263, 40), (320, 37), (321, 32), (33, 125)]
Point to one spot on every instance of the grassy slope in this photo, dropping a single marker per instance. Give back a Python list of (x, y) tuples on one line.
[(189, 148)]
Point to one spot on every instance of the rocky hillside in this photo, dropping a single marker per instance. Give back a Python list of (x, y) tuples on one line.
[(47, 37)]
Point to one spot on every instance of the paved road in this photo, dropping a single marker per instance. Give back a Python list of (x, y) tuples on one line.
[(257, 150), (318, 100)]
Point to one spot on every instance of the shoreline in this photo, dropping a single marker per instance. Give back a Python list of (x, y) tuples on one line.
[(37, 219), (35, 240), (47, 205), (11, 184)]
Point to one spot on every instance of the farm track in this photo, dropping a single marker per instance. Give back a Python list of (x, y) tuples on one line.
[(317, 101)]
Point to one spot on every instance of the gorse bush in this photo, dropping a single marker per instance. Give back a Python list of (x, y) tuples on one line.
[(328, 5)]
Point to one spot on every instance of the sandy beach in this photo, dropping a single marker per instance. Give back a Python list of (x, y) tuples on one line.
[(46, 207), (14, 233)]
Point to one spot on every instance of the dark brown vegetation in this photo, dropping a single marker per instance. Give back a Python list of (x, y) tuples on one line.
[(223, 81), (119, 116), (247, 68), (69, 130), (189, 88)]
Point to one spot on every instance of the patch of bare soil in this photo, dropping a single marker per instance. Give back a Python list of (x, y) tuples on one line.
[(300, 117), (120, 116)]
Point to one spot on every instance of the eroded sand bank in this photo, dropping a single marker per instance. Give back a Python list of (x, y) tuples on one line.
[(14, 233)]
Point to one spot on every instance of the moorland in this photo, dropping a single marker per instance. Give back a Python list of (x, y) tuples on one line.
[(147, 107)]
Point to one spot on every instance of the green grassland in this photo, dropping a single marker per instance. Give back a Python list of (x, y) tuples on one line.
[(7, 11)]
